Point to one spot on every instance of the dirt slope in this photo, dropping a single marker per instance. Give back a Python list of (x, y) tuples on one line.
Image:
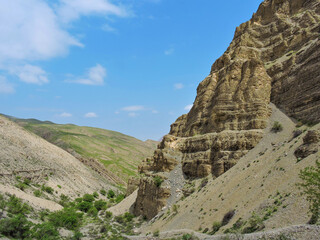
[(25, 157)]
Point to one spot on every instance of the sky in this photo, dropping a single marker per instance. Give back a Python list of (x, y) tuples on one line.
[(131, 66)]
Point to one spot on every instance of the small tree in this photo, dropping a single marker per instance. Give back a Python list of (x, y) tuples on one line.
[(311, 188)]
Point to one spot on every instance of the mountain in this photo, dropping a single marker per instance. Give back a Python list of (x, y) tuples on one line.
[(112, 154), (229, 153), (26, 159)]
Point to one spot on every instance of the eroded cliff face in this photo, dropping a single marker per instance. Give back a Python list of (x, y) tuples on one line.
[(273, 57)]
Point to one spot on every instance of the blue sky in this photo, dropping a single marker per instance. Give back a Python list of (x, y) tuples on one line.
[(131, 66)]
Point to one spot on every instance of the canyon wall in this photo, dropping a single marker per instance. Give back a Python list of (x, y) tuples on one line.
[(274, 57)]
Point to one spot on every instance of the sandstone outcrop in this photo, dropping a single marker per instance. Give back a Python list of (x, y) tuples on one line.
[(274, 57)]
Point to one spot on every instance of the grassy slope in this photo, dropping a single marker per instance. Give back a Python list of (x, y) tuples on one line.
[(119, 153)]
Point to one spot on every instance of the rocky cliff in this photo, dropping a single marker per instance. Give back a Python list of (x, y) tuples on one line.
[(274, 57)]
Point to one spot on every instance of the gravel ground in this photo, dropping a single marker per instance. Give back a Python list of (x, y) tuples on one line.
[(297, 232)]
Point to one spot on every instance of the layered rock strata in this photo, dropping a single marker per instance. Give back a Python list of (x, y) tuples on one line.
[(273, 57)]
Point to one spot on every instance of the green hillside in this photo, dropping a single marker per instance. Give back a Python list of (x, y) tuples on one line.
[(119, 153)]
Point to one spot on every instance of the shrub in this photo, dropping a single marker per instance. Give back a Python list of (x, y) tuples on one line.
[(15, 206), (310, 177), (157, 181), (103, 192), (99, 205), (156, 233), (21, 186), (128, 216), (95, 195), (84, 206), (47, 189), (255, 224), (27, 181), (215, 227), (45, 231), (67, 218), (77, 235), (93, 212), (88, 198), (111, 194), (37, 193), (119, 198), (187, 236), (119, 219), (64, 200), (108, 214), (16, 227), (276, 127)]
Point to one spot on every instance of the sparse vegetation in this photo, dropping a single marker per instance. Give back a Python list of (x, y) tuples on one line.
[(310, 187), (157, 181), (277, 127)]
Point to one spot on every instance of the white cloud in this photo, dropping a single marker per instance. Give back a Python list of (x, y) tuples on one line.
[(39, 30), (95, 76), (178, 86), (65, 115), (30, 74), (154, 111), (188, 107), (90, 115), (30, 31), (71, 10), (5, 86), (169, 51), (133, 108), (133, 114)]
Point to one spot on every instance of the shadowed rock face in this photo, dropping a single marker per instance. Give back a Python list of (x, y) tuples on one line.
[(273, 57)]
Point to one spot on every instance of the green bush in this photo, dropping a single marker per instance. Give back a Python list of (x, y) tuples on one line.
[(108, 214), (15, 206), (255, 224), (103, 192), (67, 218), (84, 206), (215, 227), (95, 195), (47, 189), (128, 216), (88, 198), (119, 198), (64, 200), (310, 177), (77, 235), (21, 186), (37, 193), (187, 236), (45, 231), (157, 181), (93, 212), (111, 194), (276, 127), (16, 227), (100, 204)]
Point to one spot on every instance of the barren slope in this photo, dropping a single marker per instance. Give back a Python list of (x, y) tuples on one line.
[(263, 181)]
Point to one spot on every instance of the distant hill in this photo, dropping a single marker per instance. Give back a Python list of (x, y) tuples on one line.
[(108, 152)]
